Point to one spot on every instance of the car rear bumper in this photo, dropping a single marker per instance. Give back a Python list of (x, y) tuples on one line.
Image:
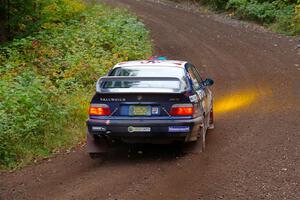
[(154, 130)]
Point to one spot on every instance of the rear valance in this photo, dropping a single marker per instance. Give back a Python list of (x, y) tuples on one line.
[(133, 84)]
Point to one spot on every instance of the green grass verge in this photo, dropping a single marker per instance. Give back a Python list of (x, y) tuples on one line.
[(47, 79)]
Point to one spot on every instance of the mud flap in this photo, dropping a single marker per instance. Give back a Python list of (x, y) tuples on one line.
[(211, 119), (203, 132), (95, 146)]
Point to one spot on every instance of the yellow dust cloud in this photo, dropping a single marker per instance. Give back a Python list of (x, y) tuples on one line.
[(235, 101)]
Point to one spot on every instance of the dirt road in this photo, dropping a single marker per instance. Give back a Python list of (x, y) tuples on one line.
[(254, 151)]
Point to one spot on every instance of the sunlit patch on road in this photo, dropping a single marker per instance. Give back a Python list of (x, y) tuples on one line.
[(235, 101)]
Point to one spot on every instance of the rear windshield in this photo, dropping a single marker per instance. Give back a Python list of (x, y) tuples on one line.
[(143, 71)]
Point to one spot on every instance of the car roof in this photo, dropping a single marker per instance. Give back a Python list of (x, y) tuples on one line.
[(152, 63)]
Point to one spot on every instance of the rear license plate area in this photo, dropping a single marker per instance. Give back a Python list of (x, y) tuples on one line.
[(138, 110)]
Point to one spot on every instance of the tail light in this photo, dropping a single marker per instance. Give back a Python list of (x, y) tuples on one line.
[(99, 110), (182, 110)]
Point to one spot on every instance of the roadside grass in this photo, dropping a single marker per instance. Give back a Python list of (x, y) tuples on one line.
[(47, 78)]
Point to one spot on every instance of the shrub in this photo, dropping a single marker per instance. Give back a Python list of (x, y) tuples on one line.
[(261, 12), (47, 78), (236, 4), (280, 15), (215, 4), (285, 21), (27, 115), (60, 10)]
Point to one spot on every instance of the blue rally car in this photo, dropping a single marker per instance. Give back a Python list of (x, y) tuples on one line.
[(149, 101)]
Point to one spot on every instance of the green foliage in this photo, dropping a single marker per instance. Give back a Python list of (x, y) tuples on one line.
[(215, 4), (297, 19), (285, 21), (60, 10), (46, 79), (27, 114), (279, 15), (262, 12)]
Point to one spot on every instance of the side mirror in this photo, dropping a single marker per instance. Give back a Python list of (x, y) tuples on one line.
[(208, 82)]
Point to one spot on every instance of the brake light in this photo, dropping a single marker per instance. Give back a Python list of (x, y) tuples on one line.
[(182, 110), (99, 109)]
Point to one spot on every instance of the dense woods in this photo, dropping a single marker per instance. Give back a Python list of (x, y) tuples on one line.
[(22, 17), (49, 68)]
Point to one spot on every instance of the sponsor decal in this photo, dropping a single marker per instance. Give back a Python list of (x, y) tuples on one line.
[(154, 111), (98, 128), (193, 98), (139, 98), (112, 99), (132, 129), (201, 94), (174, 99), (179, 128)]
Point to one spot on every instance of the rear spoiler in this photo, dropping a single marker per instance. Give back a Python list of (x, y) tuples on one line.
[(101, 81)]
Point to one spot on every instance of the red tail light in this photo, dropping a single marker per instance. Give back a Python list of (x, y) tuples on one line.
[(99, 109), (182, 110)]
